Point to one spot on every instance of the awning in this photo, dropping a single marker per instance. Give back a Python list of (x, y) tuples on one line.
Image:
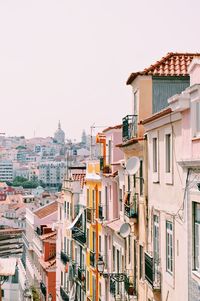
[(115, 225), (75, 220)]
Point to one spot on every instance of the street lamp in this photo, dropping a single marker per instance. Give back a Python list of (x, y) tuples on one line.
[(50, 298), (100, 266)]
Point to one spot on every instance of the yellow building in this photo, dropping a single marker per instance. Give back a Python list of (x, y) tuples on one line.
[(93, 192)]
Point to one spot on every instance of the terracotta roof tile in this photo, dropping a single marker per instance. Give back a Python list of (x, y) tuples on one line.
[(173, 64), (46, 210)]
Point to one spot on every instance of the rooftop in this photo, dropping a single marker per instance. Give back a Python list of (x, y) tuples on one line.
[(46, 210), (173, 64)]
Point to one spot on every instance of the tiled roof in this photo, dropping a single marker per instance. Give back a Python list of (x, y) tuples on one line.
[(79, 177), (51, 235), (119, 126), (46, 210), (173, 64)]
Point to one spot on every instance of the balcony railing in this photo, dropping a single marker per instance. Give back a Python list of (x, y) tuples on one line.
[(112, 287), (131, 208), (152, 272), (64, 257), (43, 288), (64, 294), (129, 287), (92, 258), (79, 235), (129, 127)]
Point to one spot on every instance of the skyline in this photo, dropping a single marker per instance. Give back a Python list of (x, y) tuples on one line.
[(59, 59)]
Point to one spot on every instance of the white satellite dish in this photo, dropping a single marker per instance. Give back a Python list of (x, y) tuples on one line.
[(125, 230), (132, 165)]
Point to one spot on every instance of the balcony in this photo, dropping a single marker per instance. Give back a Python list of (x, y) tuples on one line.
[(129, 287), (64, 257), (92, 258), (79, 235), (131, 208), (129, 127), (43, 288), (101, 212), (112, 287), (152, 272), (90, 215), (64, 294)]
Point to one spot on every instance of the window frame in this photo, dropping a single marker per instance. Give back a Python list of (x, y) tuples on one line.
[(155, 171), (194, 111), (169, 247), (168, 172)]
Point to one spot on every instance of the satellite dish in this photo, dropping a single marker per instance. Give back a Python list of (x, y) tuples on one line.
[(132, 165), (125, 230)]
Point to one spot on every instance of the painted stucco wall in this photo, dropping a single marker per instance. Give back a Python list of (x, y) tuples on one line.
[(166, 200)]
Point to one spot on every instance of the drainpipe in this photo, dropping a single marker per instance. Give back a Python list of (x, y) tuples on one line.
[(97, 243)]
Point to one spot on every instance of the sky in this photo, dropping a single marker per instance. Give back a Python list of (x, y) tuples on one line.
[(69, 60)]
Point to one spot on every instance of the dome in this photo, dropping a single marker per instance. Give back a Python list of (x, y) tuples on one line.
[(59, 135)]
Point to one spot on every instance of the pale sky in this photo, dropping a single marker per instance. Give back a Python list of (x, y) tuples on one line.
[(70, 59)]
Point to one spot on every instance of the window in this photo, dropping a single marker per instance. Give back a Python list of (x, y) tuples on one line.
[(155, 154), (169, 247), (156, 237), (88, 281), (109, 152), (94, 241), (168, 157), (99, 244), (93, 288), (141, 261), (129, 249), (141, 177), (88, 237), (196, 236), (113, 256), (196, 118), (168, 153), (88, 198)]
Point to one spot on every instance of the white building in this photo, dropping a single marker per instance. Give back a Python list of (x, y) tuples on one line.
[(6, 171), (52, 174)]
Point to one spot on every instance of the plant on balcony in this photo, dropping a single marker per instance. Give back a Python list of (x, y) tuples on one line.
[(107, 169), (35, 293)]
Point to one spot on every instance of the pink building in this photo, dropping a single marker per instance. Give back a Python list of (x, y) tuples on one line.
[(188, 105)]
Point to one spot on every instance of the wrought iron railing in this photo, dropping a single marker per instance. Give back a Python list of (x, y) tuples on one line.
[(129, 127), (131, 208), (64, 257), (112, 287), (79, 235), (64, 294)]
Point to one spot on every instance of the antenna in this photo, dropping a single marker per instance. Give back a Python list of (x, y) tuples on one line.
[(132, 165), (125, 230)]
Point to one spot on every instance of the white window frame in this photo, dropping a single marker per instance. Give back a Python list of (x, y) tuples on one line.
[(155, 174), (195, 106), (168, 174), (196, 240), (169, 247)]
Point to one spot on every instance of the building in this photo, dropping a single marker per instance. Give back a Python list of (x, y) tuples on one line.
[(11, 244), (187, 105), (71, 239), (52, 174), (40, 249), (6, 171), (59, 135)]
